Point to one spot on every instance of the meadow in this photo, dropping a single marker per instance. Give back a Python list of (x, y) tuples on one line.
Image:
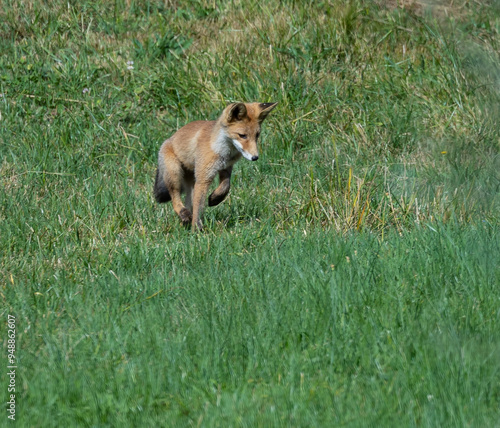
[(351, 277)]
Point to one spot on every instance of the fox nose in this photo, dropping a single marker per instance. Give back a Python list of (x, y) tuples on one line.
[(254, 158)]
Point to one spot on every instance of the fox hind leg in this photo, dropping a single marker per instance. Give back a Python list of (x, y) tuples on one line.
[(173, 177), (188, 187)]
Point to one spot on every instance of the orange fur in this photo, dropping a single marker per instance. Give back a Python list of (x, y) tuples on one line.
[(189, 160)]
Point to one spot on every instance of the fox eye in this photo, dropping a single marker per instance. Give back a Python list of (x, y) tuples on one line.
[(244, 136), (257, 136)]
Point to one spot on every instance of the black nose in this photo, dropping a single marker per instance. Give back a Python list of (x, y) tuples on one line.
[(254, 158)]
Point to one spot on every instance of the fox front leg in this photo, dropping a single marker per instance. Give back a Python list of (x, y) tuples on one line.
[(199, 195), (219, 194)]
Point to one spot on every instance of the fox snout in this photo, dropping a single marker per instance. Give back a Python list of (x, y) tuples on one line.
[(250, 156), (248, 153), (251, 153)]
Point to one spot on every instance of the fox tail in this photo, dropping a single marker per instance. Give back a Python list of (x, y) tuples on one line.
[(160, 189)]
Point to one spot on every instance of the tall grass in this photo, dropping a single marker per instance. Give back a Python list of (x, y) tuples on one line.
[(350, 277)]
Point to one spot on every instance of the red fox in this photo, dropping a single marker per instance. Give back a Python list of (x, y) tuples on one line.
[(189, 160)]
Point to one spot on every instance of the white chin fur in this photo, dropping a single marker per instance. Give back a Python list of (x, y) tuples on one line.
[(245, 154)]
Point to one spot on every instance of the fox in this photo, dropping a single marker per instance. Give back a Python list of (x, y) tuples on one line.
[(192, 157)]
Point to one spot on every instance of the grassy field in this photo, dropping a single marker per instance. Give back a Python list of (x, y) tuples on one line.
[(352, 276)]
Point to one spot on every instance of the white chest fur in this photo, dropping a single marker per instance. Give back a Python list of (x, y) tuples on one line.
[(224, 147)]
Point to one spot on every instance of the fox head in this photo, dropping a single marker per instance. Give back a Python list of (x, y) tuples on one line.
[(242, 124)]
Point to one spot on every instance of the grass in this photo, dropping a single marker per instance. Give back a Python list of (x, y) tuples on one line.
[(351, 276)]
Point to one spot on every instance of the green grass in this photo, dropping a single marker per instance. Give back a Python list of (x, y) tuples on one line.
[(350, 278)]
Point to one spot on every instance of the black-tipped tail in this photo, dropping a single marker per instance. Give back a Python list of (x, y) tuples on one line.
[(160, 190)]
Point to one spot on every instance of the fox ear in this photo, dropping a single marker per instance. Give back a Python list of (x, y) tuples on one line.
[(236, 112), (265, 109)]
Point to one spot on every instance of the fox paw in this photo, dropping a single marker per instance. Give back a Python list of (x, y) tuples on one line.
[(215, 199), (186, 216), (197, 227)]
